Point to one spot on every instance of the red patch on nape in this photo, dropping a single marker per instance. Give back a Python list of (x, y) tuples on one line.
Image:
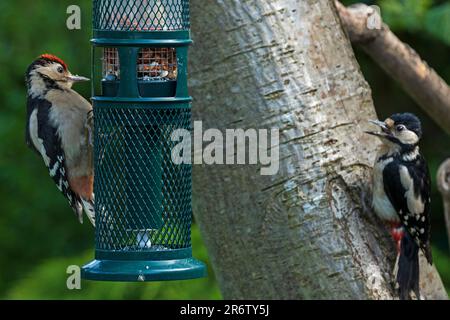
[(50, 57)]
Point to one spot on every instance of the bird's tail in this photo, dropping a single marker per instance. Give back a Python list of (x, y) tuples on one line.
[(408, 268), (88, 206)]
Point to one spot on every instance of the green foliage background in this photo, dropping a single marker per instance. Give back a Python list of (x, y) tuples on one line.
[(39, 236)]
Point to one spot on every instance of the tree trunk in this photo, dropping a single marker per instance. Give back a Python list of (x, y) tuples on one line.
[(307, 232)]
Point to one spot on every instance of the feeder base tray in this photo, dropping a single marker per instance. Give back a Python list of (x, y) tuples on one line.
[(135, 270)]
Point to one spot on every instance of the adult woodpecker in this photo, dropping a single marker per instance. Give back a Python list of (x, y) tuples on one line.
[(401, 195), (57, 129)]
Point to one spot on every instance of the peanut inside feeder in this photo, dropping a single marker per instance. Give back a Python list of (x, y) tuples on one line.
[(157, 63), (152, 64)]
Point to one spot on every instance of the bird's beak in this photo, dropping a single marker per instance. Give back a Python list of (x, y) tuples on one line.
[(75, 78), (384, 129)]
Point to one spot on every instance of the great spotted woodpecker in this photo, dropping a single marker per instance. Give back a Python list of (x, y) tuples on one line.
[(401, 195), (58, 130)]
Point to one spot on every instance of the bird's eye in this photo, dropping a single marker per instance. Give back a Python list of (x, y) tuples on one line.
[(60, 69), (400, 128)]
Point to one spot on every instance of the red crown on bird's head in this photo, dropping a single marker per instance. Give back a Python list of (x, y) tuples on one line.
[(51, 57)]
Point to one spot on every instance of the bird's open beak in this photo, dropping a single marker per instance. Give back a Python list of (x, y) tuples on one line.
[(75, 78), (384, 129)]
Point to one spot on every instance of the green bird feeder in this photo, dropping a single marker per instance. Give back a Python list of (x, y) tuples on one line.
[(143, 209)]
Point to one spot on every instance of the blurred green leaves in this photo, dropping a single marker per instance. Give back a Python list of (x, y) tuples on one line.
[(437, 22), (425, 16), (405, 15)]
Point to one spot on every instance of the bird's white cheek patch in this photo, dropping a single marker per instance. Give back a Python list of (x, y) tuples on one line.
[(415, 204), (408, 137), (46, 71)]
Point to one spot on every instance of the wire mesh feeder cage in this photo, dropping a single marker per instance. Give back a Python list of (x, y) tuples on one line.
[(142, 199)]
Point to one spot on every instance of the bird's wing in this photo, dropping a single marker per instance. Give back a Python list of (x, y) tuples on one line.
[(407, 185), (54, 157)]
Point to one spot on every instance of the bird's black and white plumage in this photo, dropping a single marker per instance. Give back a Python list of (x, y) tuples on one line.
[(401, 194), (407, 185), (56, 128)]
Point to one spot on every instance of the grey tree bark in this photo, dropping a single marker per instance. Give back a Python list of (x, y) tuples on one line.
[(307, 232)]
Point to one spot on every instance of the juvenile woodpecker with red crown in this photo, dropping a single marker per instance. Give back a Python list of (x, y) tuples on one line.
[(401, 195), (58, 130)]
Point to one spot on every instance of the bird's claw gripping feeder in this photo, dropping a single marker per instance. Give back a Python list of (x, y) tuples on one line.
[(142, 199)]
